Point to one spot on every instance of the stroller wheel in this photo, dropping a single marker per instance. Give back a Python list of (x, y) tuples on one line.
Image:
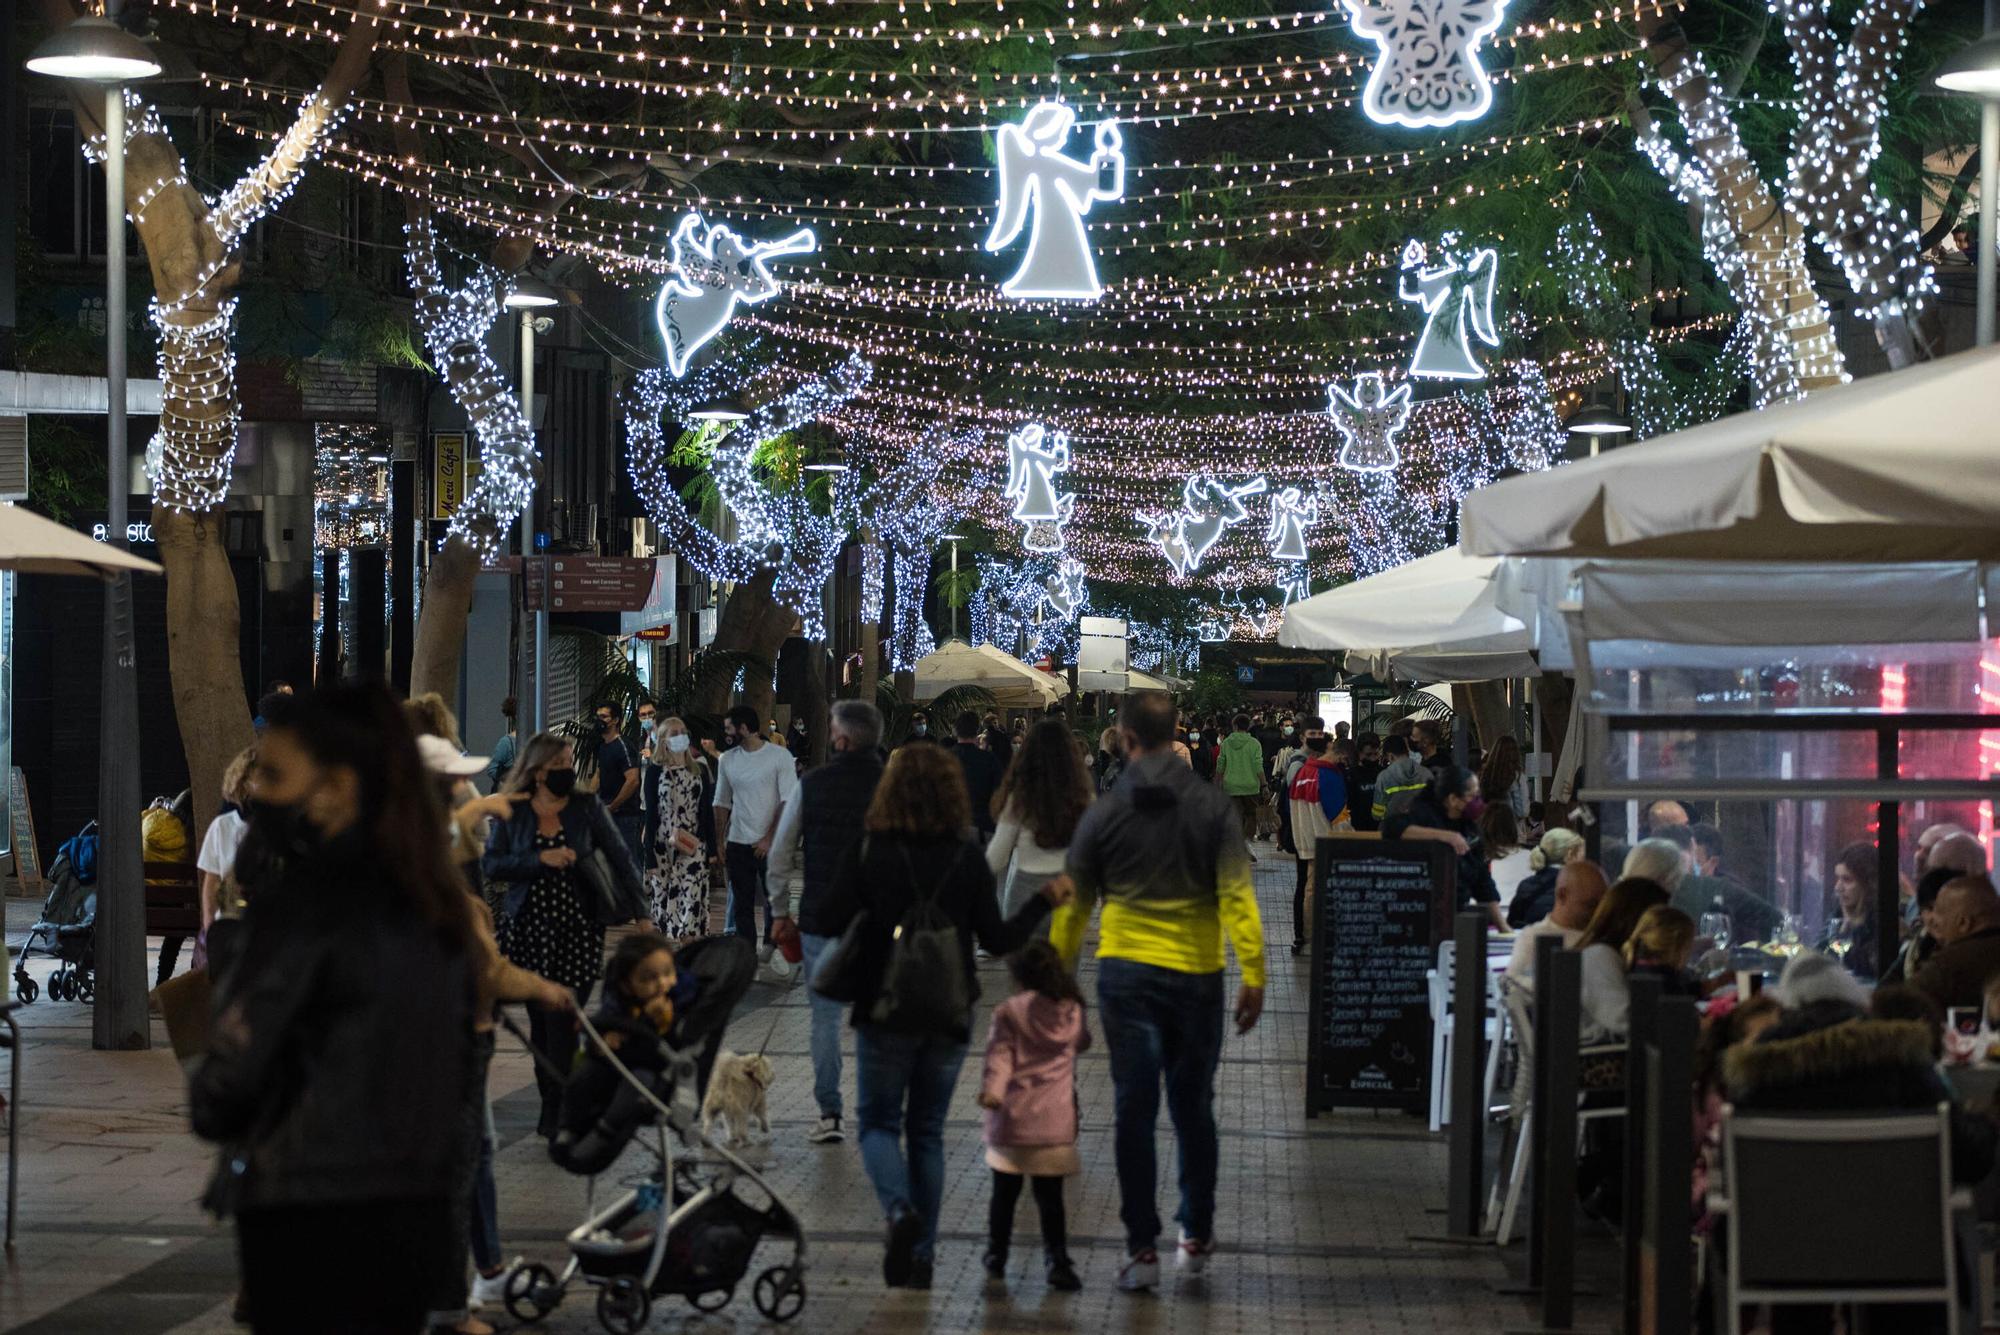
[(59, 985), (623, 1306), (714, 1300), (532, 1292), (780, 1293), (88, 988), (27, 989)]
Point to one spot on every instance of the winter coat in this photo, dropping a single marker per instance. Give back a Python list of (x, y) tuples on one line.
[(1402, 783), (1318, 798), (341, 1047), (831, 800), (1827, 1058), (1534, 898), (1031, 1054)]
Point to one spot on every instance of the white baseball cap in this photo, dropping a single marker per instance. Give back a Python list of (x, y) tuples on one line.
[(441, 757)]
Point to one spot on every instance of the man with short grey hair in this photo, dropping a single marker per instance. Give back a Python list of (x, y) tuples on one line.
[(816, 831)]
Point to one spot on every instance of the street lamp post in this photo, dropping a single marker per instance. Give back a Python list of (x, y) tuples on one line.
[(98, 52), (954, 539), (529, 297), (1975, 70)]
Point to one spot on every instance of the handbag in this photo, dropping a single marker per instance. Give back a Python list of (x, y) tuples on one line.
[(609, 901), (924, 987)]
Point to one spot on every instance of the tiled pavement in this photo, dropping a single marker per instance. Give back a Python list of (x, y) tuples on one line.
[(1317, 1218)]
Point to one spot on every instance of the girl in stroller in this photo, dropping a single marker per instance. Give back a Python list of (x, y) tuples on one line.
[(643, 990)]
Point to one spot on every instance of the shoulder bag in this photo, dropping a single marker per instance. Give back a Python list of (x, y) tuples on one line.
[(604, 893), (841, 974)]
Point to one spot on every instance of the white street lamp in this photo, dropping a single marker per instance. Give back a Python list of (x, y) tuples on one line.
[(529, 296), (1975, 71), (97, 51)]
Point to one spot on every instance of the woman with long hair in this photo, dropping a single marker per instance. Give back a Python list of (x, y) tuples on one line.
[(1503, 778), (1108, 762), (547, 924), (1607, 996), (1850, 933), (342, 1037), (914, 852), (677, 885), (1041, 798)]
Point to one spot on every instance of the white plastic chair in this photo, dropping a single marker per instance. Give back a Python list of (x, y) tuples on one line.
[(1438, 985)]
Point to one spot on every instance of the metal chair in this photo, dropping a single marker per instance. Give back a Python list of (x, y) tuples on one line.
[(1838, 1209)]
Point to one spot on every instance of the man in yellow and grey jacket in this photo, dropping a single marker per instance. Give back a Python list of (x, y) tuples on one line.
[(1164, 853)]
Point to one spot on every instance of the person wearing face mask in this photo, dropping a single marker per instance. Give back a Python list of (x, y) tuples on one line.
[(677, 885), (1448, 811), (548, 925), (342, 1041), (920, 730), (817, 830), (649, 783), (618, 779)]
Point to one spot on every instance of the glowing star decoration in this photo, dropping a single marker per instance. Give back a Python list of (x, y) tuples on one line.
[(1034, 456), (1291, 516), (712, 273), (1369, 420), (1457, 300), (1035, 175), (1427, 72), (1064, 593)]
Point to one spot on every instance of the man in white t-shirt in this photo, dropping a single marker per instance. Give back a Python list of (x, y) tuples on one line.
[(1579, 887), (753, 782)]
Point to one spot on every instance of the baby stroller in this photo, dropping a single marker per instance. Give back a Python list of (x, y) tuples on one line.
[(67, 926), (669, 1232)]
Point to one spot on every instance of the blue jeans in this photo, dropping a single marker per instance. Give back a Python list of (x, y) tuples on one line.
[(746, 873), (825, 1030), (1161, 1023), (901, 1079), (631, 822), (486, 1252)]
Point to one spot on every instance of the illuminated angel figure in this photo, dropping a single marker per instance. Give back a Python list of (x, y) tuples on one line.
[(1034, 456), (1458, 306), (712, 273), (1034, 174), (1167, 530), (1368, 420), (1290, 518), (1212, 506), (1427, 70), (1064, 590)]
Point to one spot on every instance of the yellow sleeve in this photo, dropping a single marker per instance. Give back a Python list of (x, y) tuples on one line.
[(1067, 926), (1237, 905)]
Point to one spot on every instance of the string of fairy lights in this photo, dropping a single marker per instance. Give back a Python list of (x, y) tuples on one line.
[(1145, 381)]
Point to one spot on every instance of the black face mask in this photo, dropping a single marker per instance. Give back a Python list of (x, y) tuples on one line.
[(559, 782), (282, 827)]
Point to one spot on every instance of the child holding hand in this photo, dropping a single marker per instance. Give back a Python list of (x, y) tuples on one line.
[(1029, 1093)]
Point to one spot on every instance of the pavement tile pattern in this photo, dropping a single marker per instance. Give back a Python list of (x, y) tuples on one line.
[(1319, 1220)]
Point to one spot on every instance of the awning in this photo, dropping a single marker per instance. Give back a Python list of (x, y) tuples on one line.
[(33, 545), (1891, 469), (1432, 619), (1011, 683)]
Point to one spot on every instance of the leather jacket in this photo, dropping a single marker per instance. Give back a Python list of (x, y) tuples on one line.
[(341, 1047)]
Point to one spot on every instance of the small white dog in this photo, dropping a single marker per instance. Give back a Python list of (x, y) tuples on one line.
[(736, 1090)]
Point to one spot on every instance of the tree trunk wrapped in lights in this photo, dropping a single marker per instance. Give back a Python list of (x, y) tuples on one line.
[(191, 247), (1755, 240), (1841, 88), (456, 322)]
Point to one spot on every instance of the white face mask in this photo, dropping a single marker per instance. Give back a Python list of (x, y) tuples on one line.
[(646, 724), (678, 742), (1193, 738)]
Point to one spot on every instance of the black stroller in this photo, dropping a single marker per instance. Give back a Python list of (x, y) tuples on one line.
[(669, 1232), (67, 926)]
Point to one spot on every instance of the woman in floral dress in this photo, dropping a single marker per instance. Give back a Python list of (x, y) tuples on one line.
[(678, 883)]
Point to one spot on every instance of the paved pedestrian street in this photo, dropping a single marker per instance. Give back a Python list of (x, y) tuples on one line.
[(1316, 1218)]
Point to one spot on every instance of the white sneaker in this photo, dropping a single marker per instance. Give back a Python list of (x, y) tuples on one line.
[(1193, 1254), (1140, 1272), (826, 1132), (491, 1292), (764, 952)]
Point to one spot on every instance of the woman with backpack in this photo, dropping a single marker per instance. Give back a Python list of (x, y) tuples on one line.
[(908, 901)]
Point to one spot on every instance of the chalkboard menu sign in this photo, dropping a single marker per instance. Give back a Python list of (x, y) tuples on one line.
[(1380, 907)]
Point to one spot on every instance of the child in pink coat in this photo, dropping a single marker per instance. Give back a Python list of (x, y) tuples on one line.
[(1029, 1093)]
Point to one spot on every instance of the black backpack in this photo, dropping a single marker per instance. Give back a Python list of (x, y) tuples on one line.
[(924, 988)]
